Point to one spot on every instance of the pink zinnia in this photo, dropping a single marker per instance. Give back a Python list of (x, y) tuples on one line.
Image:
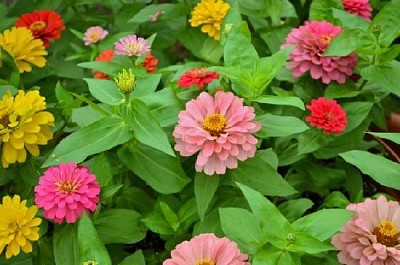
[(311, 42), (207, 249), (94, 34), (327, 115), (132, 46), (220, 127), (371, 237), (358, 7), (64, 192), (197, 76)]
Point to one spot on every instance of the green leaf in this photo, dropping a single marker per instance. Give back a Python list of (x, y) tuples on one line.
[(135, 259), (279, 126), (65, 244), (322, 224), (101, 167), (261, 176), (120, 226), (170, 216), (348, 20), (162, 172), (109, 68), (274, 256), (146, 86), (336, 199), (305, 243), (356, 113), (321, 9), (383, 76), (335, 90), (311, 140), (387, 18), (281, 100), (394, 137), (90, 245), (382, 170), (348, 41), (169, 11), (295, 208), (97, 137), (105, 91), (146, 128), (204, 190), (156, 223)]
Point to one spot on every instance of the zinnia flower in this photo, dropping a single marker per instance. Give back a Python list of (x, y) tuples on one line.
[(105, 56), (150, 63), (372, 235), (44, 24), (18, 226), (311, 42), (20, 43), (327, 115), (94, 34), (132, 46), (207, 249), (23, 125), (64, 192), (358, 7), (220, 128), (197, 76), (210, 14)]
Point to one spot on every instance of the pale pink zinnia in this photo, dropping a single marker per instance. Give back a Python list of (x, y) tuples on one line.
[(207, 249), (94, 35), (358, 7), (372, 236), (64, 192), (311, 41), (220, 128), (132, 46)]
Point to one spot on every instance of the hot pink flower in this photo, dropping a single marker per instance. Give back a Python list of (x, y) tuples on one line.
[(94, 34), (311, 42), (207, 249), (327, 115), (132, 46), (371, 237), (358, 7), (64, 192), (220, 128)]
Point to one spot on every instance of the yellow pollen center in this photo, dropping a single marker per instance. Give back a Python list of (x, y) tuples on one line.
[(94, 36), (214, 124), (66, 187), (37, 26), (205, 262), (387, 233), (13, 228), (326, 39)]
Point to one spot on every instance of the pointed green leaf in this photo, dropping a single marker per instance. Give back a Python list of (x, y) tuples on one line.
[(204, 190)]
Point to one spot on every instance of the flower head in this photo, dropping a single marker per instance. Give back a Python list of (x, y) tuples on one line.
[(207, 249), (94, 34), (150, 63), (132, 46), (105, 56), (220, 128), (125, 81), (311, 42), (18, 226), (44, 24), (372, 235), (327, 115), (210, 14), (23, 125), (197, 76), (20, 43), (358, 7), (64, 192)]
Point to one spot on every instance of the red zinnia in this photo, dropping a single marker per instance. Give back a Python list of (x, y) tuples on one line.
[(105, 56), (150, 63), (44, 24), (197, 76), (327, 115)]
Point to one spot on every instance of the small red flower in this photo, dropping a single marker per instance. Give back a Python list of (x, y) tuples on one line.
[(44, 24), (105, 56), (197, 76), (150, 63), (327, 115)]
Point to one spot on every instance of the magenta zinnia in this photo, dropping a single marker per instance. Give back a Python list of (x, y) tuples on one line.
[(132, 46), (220, 128), (311, 42), (207, 249), (358, 7), (371, 237), (64, 192)]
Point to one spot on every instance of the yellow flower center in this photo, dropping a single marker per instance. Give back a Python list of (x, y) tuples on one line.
[(326, 39), (94, 36), (37, 26), (205, 262), (387, 233), (13, 228), (4, 120), (66, 187), (214, 124)]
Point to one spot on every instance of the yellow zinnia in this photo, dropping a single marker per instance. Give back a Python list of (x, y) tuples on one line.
[(18, 226), (26, 50), (23, 125), (210, 14)]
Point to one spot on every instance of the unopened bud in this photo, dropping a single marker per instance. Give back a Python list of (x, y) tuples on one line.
[(125, 81)]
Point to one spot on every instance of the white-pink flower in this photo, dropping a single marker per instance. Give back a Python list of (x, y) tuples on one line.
[(132, 45), (372, 236), (207, 249), (220, 128), (94, 35)]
